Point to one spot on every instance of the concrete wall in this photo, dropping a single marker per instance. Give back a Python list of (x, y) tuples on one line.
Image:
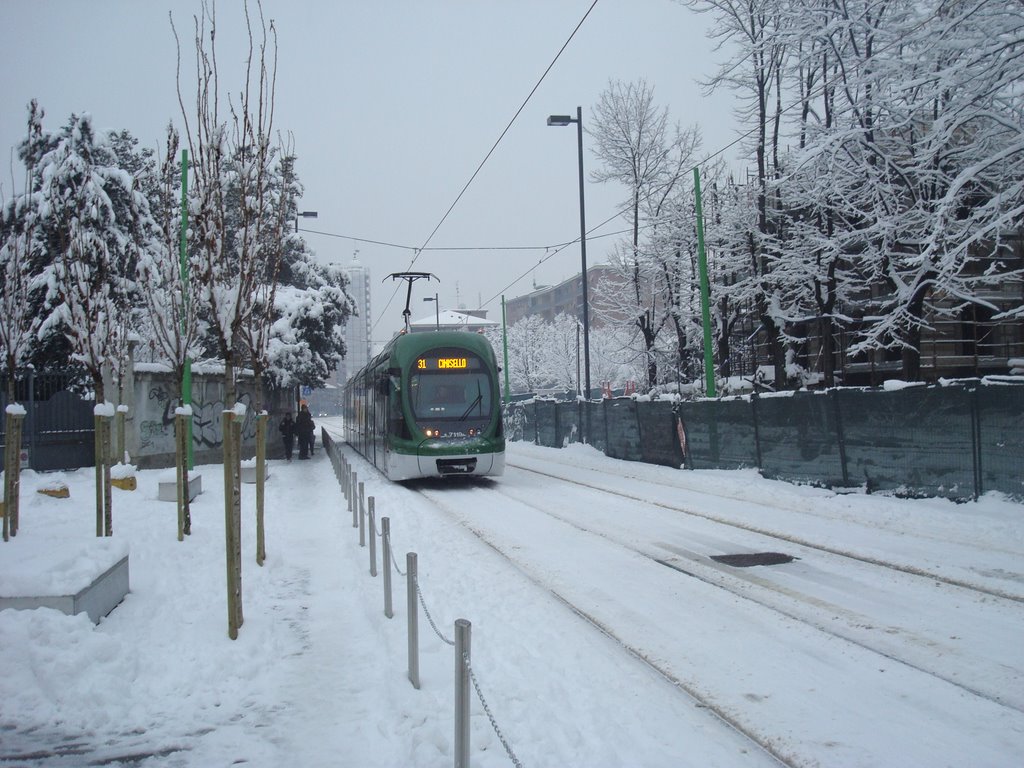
[(149, 425)]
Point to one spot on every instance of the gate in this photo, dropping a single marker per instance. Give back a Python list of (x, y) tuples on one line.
[(58, 429)]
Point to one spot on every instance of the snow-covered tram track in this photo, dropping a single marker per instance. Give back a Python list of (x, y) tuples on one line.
[(693, 693), (901, 645), (785, 538), (806, 632)]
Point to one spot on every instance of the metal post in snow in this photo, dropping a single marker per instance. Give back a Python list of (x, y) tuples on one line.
[(413, 620), (385, 523), (705, 311), (504, 347), (362, 518), (373, 536), (353, 500), (348, 488), (462, 649)]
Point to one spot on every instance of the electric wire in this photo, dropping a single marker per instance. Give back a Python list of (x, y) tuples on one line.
[(553, 249), (418, 251)]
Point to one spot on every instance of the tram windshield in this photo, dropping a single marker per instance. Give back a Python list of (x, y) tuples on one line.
[(451, 395)]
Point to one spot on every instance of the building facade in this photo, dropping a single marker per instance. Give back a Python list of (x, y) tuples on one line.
[(327, 401), (357, 332), (566, 298)]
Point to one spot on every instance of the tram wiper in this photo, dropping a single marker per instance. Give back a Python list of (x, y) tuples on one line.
[(474, 404)]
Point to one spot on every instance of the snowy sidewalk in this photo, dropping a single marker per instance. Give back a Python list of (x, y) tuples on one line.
[(159, 676)]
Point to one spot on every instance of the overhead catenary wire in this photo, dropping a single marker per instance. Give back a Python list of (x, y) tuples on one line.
[(417, 251)]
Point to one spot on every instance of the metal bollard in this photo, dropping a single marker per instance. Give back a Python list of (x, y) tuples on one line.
[(462, 648), (373, 537), (362, 518), (414, 630), (385, 524), (348, 490), (354, 506)]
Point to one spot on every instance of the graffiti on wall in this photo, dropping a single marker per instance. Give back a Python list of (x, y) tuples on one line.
[(155, 413)]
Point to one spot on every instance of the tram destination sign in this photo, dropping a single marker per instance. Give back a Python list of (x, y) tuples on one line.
[(445, 363)]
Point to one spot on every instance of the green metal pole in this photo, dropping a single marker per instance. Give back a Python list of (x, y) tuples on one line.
[(186, 378), (705, 303), (504, 344)]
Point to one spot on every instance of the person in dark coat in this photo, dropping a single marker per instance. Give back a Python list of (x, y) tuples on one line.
[(287, 429), (305, 431)]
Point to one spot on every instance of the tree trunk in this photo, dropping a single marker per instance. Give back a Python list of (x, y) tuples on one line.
[(230, 542), (911, 352)]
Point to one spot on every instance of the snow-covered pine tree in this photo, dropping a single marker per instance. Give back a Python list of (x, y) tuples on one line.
[(89, 212), (18, 323)]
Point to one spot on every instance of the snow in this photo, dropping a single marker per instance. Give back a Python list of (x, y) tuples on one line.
[(16, 409), (894, 385), (317, 676), (104, 409), (122, 471)]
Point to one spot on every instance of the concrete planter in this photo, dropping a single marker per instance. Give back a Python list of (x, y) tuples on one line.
[(97, 598), (168, 489)]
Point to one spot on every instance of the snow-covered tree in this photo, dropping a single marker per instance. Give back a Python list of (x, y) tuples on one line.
[(18, 321), (231, 209), (90, 214), (307, 338), (755, 33), (639, 149), (167, 287)]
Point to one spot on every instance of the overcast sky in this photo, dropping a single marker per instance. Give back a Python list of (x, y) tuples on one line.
[(392, 105)]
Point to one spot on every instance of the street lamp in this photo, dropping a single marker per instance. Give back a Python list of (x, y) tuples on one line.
[(305, 215), (437, 312), (566, 120)]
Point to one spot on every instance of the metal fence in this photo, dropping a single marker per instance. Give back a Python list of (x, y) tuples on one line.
[(58, 429), (957, 440)]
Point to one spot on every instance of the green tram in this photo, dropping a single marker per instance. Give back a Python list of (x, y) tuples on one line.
[(428, 406)]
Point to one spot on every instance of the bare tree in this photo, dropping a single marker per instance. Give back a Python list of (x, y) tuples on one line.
[(232, 170), (754, 71), (641, 151)]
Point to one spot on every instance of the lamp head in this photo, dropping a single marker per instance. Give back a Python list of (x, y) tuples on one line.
[(560, 120)]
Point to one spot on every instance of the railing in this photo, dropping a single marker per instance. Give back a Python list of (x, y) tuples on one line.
[(364, 519)]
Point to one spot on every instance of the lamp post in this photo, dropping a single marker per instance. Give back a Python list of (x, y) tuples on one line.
[(566, 120), (304, 215), (437, 312)]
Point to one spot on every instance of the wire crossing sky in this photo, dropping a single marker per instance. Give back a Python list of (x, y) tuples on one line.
[(391, 108)]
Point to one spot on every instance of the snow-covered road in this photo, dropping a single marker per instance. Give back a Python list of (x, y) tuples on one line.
[(829, 659)]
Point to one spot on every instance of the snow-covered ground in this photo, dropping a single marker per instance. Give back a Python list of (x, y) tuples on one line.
[(825, 660)]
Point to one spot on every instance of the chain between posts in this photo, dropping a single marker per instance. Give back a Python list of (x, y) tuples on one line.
[(355, 494), (419, 593), (490, 715), (394, 561)]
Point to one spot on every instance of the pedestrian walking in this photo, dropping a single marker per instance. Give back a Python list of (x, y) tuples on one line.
[(305, 432), (287, 428)]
